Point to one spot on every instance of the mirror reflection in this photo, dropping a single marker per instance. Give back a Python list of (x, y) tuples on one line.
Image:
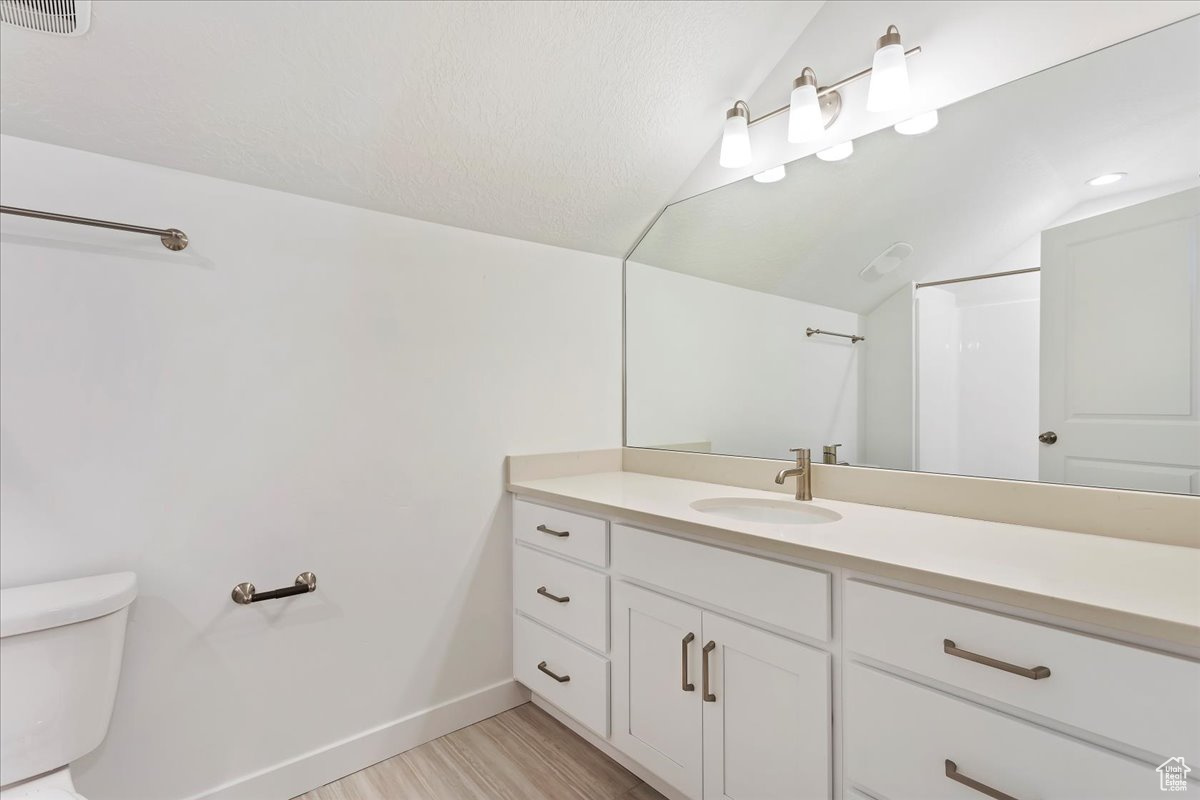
[(1010, 293)]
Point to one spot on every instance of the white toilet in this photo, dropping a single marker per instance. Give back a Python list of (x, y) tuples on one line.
[(60, 658)]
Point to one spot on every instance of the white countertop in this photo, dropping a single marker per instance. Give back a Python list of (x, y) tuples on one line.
[(1139, 587)]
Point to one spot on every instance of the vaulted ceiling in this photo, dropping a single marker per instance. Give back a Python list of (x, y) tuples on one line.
[(568, 123)]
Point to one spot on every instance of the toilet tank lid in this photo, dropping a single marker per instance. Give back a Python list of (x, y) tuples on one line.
[(49, 605)]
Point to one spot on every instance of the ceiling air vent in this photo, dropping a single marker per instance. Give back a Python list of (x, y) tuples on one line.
[(59, 17)]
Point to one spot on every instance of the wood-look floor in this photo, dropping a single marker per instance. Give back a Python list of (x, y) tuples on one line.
[(522, 754)]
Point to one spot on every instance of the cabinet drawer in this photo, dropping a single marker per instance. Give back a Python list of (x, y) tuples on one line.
[(563, 532), (899, 737), (564, 595), (584, 693), (793, 598), (1145, 699)]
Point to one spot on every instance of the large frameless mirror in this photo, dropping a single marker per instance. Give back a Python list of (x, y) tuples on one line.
[(1011, 294)]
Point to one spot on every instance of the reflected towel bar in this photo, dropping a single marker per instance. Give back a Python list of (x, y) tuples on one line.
[(171, 238), (243, 594), (853, 337)]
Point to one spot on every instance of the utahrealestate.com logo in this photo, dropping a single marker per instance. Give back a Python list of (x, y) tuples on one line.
[(1172, 775)]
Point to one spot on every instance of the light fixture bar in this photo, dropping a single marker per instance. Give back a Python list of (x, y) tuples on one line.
[(824, 90)]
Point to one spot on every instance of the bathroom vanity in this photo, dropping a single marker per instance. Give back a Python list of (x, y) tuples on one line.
[(727, 642)]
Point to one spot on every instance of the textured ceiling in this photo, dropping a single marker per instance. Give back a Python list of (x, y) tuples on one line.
[(999, 168), (568, 123)]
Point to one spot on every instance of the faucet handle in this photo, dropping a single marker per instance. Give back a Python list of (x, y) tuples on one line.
[(802, 452)]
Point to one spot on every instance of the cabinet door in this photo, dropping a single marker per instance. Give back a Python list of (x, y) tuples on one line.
[(767, 718), (655, 659)]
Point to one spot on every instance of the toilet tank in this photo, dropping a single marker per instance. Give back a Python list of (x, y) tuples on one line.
[(60, 658)]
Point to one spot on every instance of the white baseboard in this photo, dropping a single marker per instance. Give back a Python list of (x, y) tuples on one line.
[(658, 784), (319, 767)]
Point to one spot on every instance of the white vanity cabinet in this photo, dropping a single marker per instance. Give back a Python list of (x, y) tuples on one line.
[(908, 742), (767, 721), (715, 673), (560, 634), (1121, 692), (716, 707), (657, 713)]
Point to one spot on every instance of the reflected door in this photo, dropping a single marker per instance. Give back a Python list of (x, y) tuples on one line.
[(1120, 356)]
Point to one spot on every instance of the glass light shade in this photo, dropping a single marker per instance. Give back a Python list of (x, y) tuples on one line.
[(735, 142), (921, 123), (837, 152), (804, 119), (771, 175), (889, 79)]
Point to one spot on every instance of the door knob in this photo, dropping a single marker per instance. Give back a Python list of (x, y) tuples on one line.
[(1049, 437)]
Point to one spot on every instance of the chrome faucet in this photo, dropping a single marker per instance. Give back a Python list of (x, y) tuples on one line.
[(802, 472)]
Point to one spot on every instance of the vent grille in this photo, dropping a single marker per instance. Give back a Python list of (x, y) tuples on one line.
[(59, 17)]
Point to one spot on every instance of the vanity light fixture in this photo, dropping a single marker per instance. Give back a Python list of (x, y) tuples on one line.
[(889, 73), (772, 175), (805, 121), (837, 152), (1105, 179), (921, 123), (813, 109), (735, 141)]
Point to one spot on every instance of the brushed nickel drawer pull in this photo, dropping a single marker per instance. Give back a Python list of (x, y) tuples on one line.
[(687, 686), (953, 774), (709, 697), (559, 678), (564, 599), (552, 532), (1034, 674)]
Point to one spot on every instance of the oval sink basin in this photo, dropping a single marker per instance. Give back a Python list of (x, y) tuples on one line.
[(761, 509)]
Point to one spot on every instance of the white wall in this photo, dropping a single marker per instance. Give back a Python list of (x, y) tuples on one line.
[(308, 386), (938, 354), (888, 383), (709, 362), (968, 46), (977, 400), (998, 375)]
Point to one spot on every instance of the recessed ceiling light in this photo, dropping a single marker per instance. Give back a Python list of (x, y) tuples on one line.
[(921, 123), (771, 175), (837, 152), (1105, 179)]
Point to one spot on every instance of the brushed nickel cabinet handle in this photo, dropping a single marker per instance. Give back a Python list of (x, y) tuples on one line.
[(559, 678), (1034, 674), (552, 532), (564, 599), (953, 774), (709, 697), (686, 685)]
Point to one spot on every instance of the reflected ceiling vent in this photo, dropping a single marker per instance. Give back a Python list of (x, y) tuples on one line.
[(886, 262), (59, 17)]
